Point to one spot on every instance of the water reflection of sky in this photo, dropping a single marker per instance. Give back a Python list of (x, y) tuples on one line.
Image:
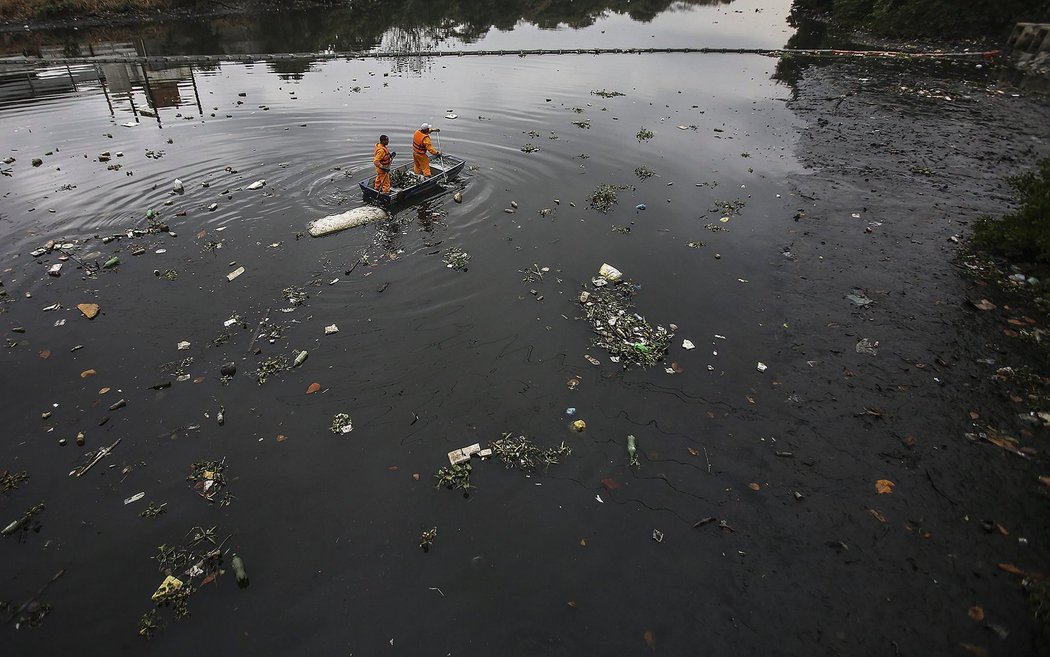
[(740, 24)]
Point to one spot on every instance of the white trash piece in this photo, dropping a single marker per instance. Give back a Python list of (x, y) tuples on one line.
[(258, 184), (235, 273), (761, 367), (328, 330), (687, 344), (334, 223), (610, 273), (183, 345), (463, 454), (177, 186)]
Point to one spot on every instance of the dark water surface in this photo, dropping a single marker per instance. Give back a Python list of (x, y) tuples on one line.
[(328, 524), (427, 359)]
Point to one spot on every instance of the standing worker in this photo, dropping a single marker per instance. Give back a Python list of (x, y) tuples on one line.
[(382, 161), (421, 146)]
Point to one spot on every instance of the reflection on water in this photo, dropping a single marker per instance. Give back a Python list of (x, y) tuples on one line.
[(414, 26)]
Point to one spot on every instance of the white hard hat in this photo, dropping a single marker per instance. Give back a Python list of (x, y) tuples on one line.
[(425, 126)]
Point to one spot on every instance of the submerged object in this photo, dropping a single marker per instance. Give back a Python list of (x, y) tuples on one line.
[(238, 568), (334, 223)]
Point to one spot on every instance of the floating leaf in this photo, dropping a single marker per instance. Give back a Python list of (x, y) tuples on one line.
[(1012, 569), (45, 354), (610, 483), (103, 391), (86, 373), (312, 388), (884, 486), (415, 475), (983, 304), (281, 437), (90, 310), (754, 486), (877, 515), (976, 612), (583, 542), (650, 639), (977, 651), (694, 452)]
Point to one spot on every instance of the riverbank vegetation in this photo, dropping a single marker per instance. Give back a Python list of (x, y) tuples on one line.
[(1024, 233), (929, 18)]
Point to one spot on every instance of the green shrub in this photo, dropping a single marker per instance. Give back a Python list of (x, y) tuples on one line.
[(1025, 232)]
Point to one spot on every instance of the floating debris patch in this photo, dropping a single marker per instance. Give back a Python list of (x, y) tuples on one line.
[(626, 335)]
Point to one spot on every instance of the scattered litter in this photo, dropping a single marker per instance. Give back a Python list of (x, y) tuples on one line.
[(208, 480), (426, 539), (761, 367), (93, 459), (610, 273), (579, 425), (341, 423), (183, 345), (884, 486), (177, 186), (640, 206), (235, 273), (859, 299), (686, 344), (457, 197), (451, 116), (55, 269), (239, 571), (300, 358), (258, 184), (592, 360), (868, 346), (632, 450), (90, 310), (627, 336), (456, 258), (212, 208), (329, 330), (463, 454), (599, 498), (658, 536), (135, 498)]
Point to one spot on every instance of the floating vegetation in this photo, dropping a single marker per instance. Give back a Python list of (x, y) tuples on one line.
[(295, 296), (583, 156), (607, 94), (152, 511), (728, 208), (715, 228), (552, 135), (623, 230), (529, 148), (30, 614), (578, 110), (533, 273), (209, 481), (342, 423), (625, 334), (644, 172), (170, 274), (604, 197), (25, 524), (585, 124), (745, 154), (186, 568), (402, 178), (645, 134), (456, 258), (521, 453), (695, 244), (12, 480), (533, 134), (270, 366), (426, 539), (454, 477)]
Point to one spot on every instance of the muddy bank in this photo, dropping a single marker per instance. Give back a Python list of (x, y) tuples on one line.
[(902, 160)]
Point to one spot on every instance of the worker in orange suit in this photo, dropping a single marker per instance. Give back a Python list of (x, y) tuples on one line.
[(420, 147), (382, 161)]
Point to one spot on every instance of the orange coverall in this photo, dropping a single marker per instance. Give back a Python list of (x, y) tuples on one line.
[(382, 162), (420, 146)]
